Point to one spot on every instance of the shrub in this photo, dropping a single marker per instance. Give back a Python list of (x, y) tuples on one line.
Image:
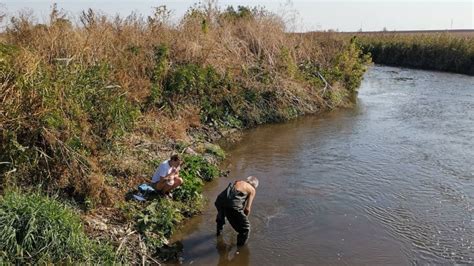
[(196, 169), (39, 229), (198, 166), (242, 13), (191, 188), (157, 221), (160, 70)]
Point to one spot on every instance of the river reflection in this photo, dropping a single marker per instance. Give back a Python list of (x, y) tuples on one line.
[(229, 254), (390, 181)]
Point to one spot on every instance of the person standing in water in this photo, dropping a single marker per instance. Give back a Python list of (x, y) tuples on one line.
[(235, 204)]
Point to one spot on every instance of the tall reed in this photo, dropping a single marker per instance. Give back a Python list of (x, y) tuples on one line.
[(433, 51)]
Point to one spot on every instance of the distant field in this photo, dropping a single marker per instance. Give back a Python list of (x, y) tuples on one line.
[(451, 51), (463, 33)]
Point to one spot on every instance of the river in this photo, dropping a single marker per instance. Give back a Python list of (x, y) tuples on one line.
[(390, 181)]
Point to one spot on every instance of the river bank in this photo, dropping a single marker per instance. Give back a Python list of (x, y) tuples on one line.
[(90, 110), (442, 51)]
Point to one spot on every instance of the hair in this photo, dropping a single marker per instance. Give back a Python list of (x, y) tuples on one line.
[(252, 180), (175, 157)]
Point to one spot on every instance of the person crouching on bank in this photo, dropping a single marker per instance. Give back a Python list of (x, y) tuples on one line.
[(166, 177)]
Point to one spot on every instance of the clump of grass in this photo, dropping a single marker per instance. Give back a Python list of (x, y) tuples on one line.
[(215, 150), (38, 229)]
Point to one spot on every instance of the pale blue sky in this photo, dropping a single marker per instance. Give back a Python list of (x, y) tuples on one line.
[(344, 15)]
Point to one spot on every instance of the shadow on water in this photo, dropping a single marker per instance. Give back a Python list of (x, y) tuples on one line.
[(227, 252), (232, 255)]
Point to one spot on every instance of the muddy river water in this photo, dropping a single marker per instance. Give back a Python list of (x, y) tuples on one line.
[(390, 181)]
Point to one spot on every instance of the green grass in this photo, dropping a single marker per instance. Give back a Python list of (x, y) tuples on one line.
[(38, 229)]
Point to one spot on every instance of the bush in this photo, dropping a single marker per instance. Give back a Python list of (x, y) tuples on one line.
[(198, 166), (196, 169), (160, 70), (157, 221), (38, 229), (202, 86), (191, 188), (191, 81)]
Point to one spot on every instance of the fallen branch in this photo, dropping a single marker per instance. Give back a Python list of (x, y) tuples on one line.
[(123, 241)]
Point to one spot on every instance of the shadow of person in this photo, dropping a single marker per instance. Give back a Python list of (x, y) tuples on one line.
[(231, 254)]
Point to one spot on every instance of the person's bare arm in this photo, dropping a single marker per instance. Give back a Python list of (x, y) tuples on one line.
[(164, 180), (173, 173), (251, 191)]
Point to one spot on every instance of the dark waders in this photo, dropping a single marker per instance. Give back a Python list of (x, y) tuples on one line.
[(230, 204)]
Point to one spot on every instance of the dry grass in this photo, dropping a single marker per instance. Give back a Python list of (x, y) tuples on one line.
[(451, 51), (76, 97), (458, 33)]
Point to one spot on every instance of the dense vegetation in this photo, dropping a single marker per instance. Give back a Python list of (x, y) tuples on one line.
[(38, 229), (89, 110), (434, 51)]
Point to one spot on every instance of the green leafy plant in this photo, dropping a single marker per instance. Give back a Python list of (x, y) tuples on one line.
[(198, 166), (157, 221), (196, 169)]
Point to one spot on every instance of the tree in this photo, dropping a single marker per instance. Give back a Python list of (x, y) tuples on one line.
[(3, 12)]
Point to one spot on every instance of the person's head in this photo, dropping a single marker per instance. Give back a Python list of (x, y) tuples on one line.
[(252, 180), (175, 161)]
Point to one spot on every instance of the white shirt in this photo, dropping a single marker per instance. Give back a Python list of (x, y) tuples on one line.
[(163, 170)]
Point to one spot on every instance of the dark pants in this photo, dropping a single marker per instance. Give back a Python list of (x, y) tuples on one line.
[(237, 219)]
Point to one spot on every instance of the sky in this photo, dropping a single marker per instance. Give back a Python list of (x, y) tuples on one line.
[(301, 15)]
